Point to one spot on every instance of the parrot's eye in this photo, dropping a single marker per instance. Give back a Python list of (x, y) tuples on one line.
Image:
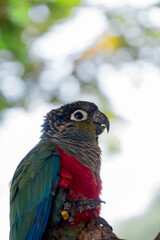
[(79, 115)]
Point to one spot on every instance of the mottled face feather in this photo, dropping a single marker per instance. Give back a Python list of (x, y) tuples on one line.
[(79, 120)]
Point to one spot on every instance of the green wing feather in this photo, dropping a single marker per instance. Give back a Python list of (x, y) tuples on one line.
[(31, 189)]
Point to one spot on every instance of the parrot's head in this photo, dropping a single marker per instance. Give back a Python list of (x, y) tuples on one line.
[(75, 128), (78, 121)]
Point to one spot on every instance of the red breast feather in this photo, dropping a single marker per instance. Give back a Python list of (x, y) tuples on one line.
[(81, 183)]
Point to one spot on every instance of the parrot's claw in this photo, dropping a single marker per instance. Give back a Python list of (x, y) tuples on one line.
[(102, 221)]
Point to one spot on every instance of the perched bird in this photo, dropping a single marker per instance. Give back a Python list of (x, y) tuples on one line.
[(56, 188)]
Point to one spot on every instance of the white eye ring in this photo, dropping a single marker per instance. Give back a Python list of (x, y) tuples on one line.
[(79, 115)]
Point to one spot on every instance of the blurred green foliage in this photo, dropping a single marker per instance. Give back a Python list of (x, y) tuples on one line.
[(14, 20), (129, 36), (3, 103)]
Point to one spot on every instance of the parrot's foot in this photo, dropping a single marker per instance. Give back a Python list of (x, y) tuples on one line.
[(82, 204), (79, 205), (103, 222)]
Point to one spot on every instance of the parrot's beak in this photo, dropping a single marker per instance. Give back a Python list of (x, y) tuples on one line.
[(101, 122)]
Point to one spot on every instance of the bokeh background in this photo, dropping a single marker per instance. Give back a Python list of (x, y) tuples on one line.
[(106, 51)]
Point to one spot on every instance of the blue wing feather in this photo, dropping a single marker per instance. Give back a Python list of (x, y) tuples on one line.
[(43, 209), (41, 218)]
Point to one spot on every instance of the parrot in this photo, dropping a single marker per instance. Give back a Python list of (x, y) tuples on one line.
[(55, 190)]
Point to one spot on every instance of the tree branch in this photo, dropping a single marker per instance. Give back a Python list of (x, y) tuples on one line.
[(158, 237), (95, 231)]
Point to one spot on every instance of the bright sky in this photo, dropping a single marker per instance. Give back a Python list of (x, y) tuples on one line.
[(73, 35), (118, 3), (130, 178), (133, 176)]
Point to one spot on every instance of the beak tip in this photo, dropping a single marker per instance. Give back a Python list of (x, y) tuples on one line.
[(108, 125)]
